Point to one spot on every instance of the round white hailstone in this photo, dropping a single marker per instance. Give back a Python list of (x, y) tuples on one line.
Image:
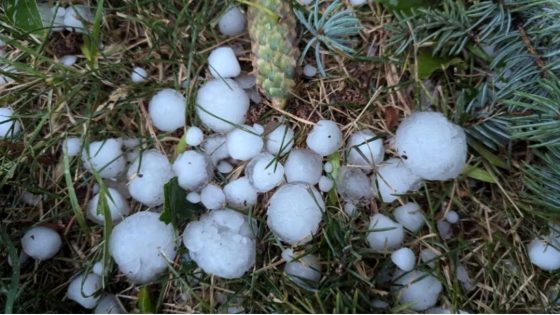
[(418, 289), (394, 179), (444, 229), (364, 149), (221, 243), (130, 143), (51, 16), (452, 217), (264, 172), (75, 16), (349, 208), (118, 207), (309, 71), (304, 271), (72, 146), (244, 144), (240, 194), (223, 63), (328, 167), (193, 169), (167, 110), (142, 246), (429, 257), (378, 303), (82, 290), (215, 146), (41, 243), (213, 197), (431, 146), (68, 60), (221, 104), (354, 185), (232, 22), (259, 129), (385, 234), (295, 212), (105, 157), (193, 197), (325, 138), (303, 166), (280, 140), (246, 81), (224, 167), (98, 268), (194, 136), (109, 304), (410, 216), (325, 184), (9, 126), (543, 255), (356, 3), (147, 175), (404, 258), (138, 75)]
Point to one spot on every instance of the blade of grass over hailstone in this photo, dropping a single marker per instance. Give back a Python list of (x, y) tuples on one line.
[(73, 198)]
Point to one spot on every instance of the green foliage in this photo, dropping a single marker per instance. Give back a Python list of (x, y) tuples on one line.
[(331, 28), (24, 14), (176, 208), (428, 64)]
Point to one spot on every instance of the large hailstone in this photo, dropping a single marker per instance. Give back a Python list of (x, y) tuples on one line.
[(109, 304), (142, 246), (83, 288), (41, 243), (410, 216), (304, 271), (215, 146), (193, 169), (325, 138), (303, 166), (213, 197), (544, 255), (118, 207), (280, 140), (72, 146), (221, 104), (265, 172), (75, 16), (9, 126), (394, 179), (232, 22), (223, 63), (105, 157), (364, 148), (354, 185), (240, 194), (244, 143), (221, 243), (404, 258), (167, 110), (147, 175), (431, 146), (295, 212), (52, 16), (385, 234), (418, 289)]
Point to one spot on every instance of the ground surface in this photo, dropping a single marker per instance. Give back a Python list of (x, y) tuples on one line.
[(95, 99)]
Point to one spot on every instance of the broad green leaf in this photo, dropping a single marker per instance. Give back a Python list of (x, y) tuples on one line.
[(176, 208), (145, 303), (24, 14), (428, 64), (479, 174)]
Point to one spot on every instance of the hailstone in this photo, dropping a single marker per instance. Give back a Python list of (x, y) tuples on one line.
[(147, 175), (138, 75), (240, 194), (68, 60), (83, 288), (244, 143), (418, 289), (118, 207), (354, 185), (410, 216), (280, 140), (194, 136), (232, 22), (394, 179), (309, 71), (109, 304), (325, 184), (364, 148), (543, 254), (303, 166), (305, 271), (295, 212), (41, 243), (404, 258), (105, 157), (215, 146), (75, 16), (452, 217), (9, 125), (193, 169), (142, 246), (167, 110), (221, 243), (223, 63), (385, 234), (72, 146), (213, 197), (431, 146), (325, 138), (264, 172), (221, 104)]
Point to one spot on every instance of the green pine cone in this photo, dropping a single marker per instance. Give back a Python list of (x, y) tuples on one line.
[(272, 27)]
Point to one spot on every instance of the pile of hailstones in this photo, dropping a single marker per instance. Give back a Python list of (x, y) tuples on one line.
[(222, 241)]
